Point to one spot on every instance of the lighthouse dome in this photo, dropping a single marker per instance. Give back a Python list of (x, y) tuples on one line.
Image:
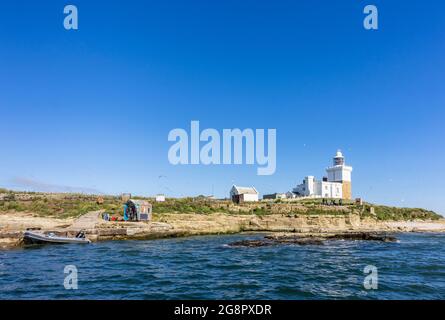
[(339, 154), (339, 159)]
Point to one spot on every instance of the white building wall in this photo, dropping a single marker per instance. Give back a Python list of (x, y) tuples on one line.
[(332, 175), (347, 173), (310, 185), (250, 197), (339, 173), (337, 191), (331, 190), (320, 189)]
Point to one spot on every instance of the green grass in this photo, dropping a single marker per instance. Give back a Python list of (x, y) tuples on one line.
[(75, 205), (186, 205), (60, 207), (260, 211), (394, 213)]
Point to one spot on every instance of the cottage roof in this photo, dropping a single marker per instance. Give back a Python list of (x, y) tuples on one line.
[(245, 190)]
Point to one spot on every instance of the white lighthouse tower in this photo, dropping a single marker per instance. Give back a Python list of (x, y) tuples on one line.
[(340, 172)]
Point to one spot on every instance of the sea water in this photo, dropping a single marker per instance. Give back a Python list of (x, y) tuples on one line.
[(208, 268)]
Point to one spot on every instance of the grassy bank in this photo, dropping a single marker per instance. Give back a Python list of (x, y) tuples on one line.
[(381, 212), (56, 205), (75, 205)]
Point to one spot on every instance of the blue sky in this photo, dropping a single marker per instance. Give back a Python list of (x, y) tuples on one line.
[(91, 109)]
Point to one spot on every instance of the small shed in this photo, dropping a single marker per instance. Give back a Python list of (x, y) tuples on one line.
[(243, 194), (160, 198), (137, 210), (274, 196)]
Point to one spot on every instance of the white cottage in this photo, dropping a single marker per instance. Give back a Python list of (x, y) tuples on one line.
[(319, 189), (243, 194)]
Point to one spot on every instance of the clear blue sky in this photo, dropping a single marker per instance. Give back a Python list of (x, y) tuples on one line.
[(92, 108)]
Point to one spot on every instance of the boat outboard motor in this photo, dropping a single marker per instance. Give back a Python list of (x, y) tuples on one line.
[(80, 235)]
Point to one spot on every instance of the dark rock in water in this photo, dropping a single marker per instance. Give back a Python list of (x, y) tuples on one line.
[(369, 236), (313, 239), (252, 243), (307, 241), (297, 240)]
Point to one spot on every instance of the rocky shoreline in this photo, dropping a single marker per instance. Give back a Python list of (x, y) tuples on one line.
[(296, 229)]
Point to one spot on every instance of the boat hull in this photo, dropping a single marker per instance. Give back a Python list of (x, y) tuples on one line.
[(40, 238)]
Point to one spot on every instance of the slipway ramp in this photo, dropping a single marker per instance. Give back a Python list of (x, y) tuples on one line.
[(86, 222)]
